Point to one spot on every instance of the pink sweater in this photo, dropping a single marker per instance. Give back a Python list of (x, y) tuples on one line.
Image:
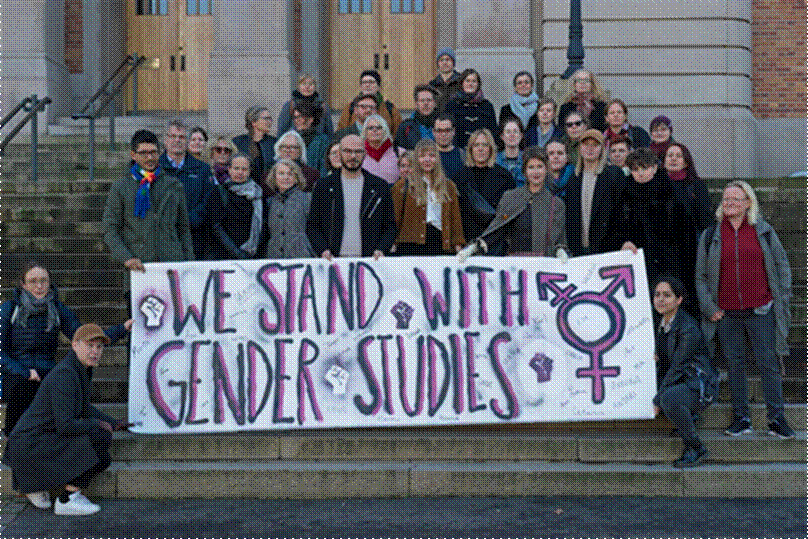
[(386, 167)]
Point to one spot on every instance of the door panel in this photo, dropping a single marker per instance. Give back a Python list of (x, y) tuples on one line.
[(397, 37), (182, 44)]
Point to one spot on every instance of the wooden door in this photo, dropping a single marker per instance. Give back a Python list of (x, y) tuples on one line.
[(397, 37), (176, 37)]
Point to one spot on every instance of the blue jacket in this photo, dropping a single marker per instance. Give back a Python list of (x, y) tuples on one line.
[(197, 179)]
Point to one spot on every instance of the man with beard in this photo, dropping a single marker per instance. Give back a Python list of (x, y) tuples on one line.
[(419, 126), (351, 211)]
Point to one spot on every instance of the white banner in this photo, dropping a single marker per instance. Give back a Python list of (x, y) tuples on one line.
[(286, 344)]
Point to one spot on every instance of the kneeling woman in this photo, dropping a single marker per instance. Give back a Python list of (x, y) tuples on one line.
[(530, 221), (427, 207), (688, 382), (238, 216)]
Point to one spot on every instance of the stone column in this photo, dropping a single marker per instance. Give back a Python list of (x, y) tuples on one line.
[(688, 60), (495, 39), (32, 56), (250, 61)]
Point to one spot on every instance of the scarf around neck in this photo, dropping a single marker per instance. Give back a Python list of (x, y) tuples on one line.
[(377, 153), (524, 106), (584, 103), (252, 192), (27, 305), (142, 198)]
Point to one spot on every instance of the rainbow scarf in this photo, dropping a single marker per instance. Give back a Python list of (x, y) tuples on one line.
[(144, 179)]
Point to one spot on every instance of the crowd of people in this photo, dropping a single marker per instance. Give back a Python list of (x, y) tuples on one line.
[(544, 179)]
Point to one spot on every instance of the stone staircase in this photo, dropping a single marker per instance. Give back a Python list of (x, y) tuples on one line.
[(56, 221)]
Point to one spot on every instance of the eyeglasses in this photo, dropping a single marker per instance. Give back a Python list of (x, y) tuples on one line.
[(735, 199), (368, 81), (288, 147), (443, 130), (374, 128), (352, 152), (148, 153), (220, 149), (42, 280), (574, 124)]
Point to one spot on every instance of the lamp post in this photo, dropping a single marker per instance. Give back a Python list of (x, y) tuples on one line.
[(575, 49)]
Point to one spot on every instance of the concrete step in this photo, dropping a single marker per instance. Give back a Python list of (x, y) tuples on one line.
[(55, 183), (374, 479), (110, 276), (47, 229), (715, 418), (54, 244)]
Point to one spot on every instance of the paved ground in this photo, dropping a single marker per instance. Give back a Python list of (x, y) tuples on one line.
[(543, 517)]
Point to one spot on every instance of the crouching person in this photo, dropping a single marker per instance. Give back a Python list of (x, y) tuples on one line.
[(688, 382), (61, 441)]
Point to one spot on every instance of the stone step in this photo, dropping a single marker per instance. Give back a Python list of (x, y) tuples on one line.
[(49, 229), (114, 277), (715, 418), (54, 244), (53, 183), (375, 479), (429, 445), (63, 213)]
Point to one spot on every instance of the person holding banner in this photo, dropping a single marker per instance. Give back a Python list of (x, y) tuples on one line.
[(238, 216), (688, 381), (62, 441), (146, 215), (351, 209), (530, 221), (288, 208)]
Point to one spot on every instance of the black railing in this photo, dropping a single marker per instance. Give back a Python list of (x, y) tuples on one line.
[(33, 105), (104, 96)]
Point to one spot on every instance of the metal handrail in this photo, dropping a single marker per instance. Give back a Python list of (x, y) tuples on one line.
[(133, 61), (35, 106)]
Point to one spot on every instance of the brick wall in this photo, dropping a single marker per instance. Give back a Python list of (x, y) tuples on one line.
[(74, 37), (778, 58)]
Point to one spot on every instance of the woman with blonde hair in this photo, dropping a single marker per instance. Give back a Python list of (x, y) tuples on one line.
[(427, 208), (587, 97), (288, 209), (221, 152), (481, 183), (743, 280)]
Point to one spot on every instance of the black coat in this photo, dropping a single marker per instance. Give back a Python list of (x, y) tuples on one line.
[(267, 145), (604, 203), (326, 220), (471, 115), (51, 444), (687, 349), (230, 226), (480, 195), (649, 216)]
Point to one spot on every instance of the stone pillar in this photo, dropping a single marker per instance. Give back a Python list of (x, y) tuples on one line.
[(688, 60), (32, 56), (495, 39), (250, 61)]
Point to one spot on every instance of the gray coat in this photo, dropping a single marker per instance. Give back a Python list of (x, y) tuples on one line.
[(778, 273), (51, 444), (514, 202), (164, 235), (286, 223)]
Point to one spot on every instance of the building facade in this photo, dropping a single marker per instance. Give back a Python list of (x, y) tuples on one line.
[(731, 75)]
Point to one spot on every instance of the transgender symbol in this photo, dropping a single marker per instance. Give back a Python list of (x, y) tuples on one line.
[(620, 276)]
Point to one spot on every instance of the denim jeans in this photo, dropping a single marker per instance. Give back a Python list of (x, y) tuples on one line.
[(761, 332), (679, 402)]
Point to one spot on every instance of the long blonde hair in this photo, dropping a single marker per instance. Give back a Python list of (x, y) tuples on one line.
[(437, 178), (597, 90)]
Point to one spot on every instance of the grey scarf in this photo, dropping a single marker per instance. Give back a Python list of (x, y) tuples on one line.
[(28, 305), (252, 192)]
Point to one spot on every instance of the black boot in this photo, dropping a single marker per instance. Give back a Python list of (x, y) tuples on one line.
[(692, 456)]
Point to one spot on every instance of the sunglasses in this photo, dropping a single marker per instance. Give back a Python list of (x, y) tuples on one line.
[(219, 149), (574, 124)]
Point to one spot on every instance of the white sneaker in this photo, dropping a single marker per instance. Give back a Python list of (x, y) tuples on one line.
[(76, 504), (40, 499)]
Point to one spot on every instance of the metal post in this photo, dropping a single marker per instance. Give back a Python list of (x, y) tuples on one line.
[(112, 127), (92, 142), (34, 138), (575, 49), (135, 58)]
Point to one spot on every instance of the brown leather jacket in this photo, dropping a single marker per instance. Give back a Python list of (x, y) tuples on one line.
[(412, 224)]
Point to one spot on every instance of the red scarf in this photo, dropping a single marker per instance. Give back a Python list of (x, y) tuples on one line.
[(679, 176), (377, 153)]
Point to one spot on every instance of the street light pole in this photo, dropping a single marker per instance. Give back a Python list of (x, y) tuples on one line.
[(575, 49)]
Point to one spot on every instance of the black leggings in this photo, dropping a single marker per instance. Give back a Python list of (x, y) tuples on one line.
[(101, 442)]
